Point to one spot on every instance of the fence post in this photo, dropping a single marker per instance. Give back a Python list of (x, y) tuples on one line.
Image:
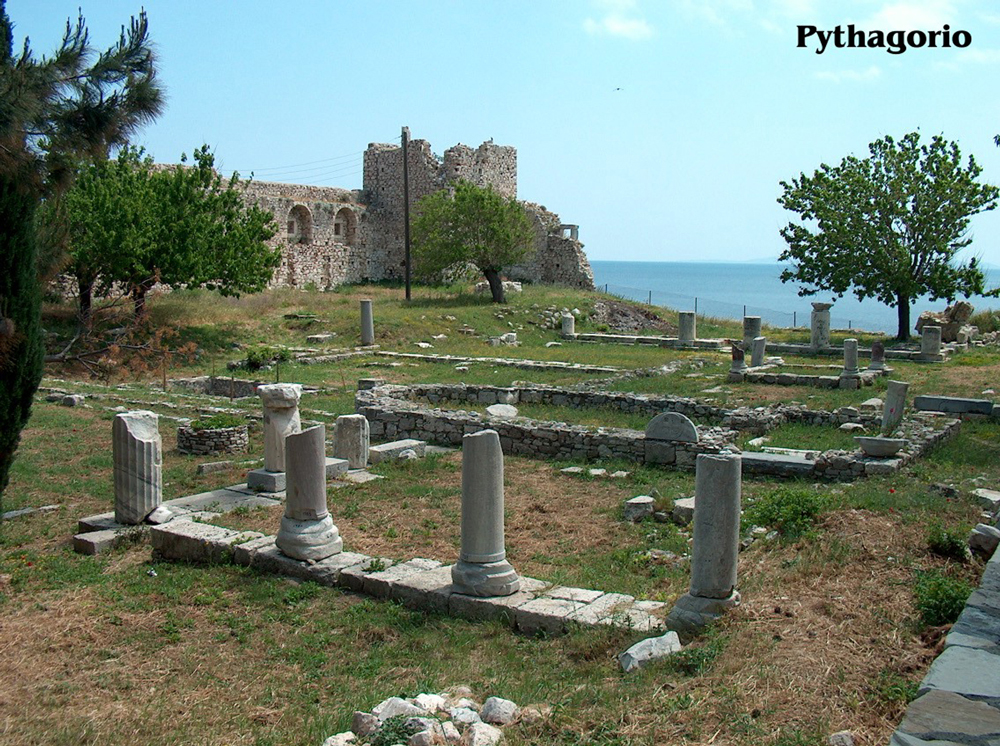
[(649, 302), (795, 324), (696, 305), (744, 309)]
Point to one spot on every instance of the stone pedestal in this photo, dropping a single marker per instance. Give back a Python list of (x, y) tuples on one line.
[(739, 364), (930, 343), (482, 568), (851, 369), (819, 325), (757, 351), (718, 485), (138, 465), (568, 325), (895, 405), (877, 361), (351, 440), (307, 531), (751, 330), (367, 323), (281, 419), (687, 327)]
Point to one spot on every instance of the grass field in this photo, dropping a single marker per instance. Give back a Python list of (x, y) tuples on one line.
[(100, 650)]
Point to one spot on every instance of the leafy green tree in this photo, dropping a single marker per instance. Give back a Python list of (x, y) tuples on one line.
[(887, 226), (51, 110), (473, 225), (137, 224)]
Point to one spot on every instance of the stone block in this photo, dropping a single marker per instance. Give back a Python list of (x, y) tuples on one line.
[(99, 522), (648, 650), (601, 610), (335, 467), (262, 480), (548, 615), (189, 541), (775, 463), (951, 672), (328, 572), (584, 595), (939, 715), (429, 590), (353, 577), (379, 584), (952, 404), (989, 499), (489, 608), (683, 511), (984, 540), (882, 467), (637, 508), (389, 451), (98, 542), (244, 552)]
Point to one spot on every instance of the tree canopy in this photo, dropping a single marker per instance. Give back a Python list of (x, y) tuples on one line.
[(471, 225), (136, 224), (52, 110), (887, 226)]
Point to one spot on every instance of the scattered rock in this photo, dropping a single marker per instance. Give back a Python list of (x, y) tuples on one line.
[(451, 734), (160, 514), (620, 474), (683, 511), (553, 344), (598, 472), (572, 470), (463, 716), (498, 711), (852, 427), (340, 739), (433, 703), (395, 706), (984, 540), (623, 317), (841, 738), (423, 345), (72, 400), (482, 734), (501, 410), (650, 649), (637, 508), (364, 724)]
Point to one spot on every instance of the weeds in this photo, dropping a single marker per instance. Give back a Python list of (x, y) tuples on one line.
[(946, 543), (791, 511), (940, 598)]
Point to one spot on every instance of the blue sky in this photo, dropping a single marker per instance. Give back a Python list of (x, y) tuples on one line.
[(717, 104)]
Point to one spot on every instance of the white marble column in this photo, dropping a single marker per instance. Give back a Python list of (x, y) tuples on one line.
[(307, 531), (751, 330), (758, 351), (482, 568), (819, 325), (137, 451), (367, 323), (687, 327), (351, 440), (568, 325), (715, 551), (851, 369), (281, 419)]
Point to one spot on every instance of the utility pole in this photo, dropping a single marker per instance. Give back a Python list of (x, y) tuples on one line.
[(406, 206)]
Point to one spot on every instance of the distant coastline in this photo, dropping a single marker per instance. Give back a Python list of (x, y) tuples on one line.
[(722, 289)]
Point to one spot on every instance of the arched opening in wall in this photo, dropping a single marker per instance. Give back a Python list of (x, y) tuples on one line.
[(300, 225), (345, 225)]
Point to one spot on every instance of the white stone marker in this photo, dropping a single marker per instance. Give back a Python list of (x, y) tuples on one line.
[(850, 359), (367, 323), (819, 325), (718, 486), (758, 351), (351, 440), (930, 343), (482, 568), (568, 325), (307, 531), (895, 405), (281, 419), (687, 327), (138, 465), (877, 361), (751, 330)]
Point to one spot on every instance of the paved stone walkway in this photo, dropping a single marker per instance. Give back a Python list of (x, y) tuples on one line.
[(959, 698), (423, 584)]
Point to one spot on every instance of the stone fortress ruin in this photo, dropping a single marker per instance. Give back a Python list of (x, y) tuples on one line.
[(330, 236)]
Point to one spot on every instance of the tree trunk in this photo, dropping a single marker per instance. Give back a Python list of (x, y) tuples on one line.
[(903, 316), (496, 285), (139, 302), (86, 293)]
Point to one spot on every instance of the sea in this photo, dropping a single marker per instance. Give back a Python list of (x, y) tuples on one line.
[(733, 290)]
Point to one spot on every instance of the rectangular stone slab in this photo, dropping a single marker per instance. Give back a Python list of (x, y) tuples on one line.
[(775, 463), (429, 590), (97, 542), (973, 673), (549, 615), (379, 584), (952, 404), (388, 451)]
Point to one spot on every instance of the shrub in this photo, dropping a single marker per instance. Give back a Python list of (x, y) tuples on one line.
[(949, 544), (987, 321), (258, 357), (892, 688), (788, 510), (217, 421), (940, 598), (394, 730)]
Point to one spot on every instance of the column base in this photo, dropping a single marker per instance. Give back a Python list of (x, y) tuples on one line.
[(485, 579), (692, 613), (309, 540), (262, 480)]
